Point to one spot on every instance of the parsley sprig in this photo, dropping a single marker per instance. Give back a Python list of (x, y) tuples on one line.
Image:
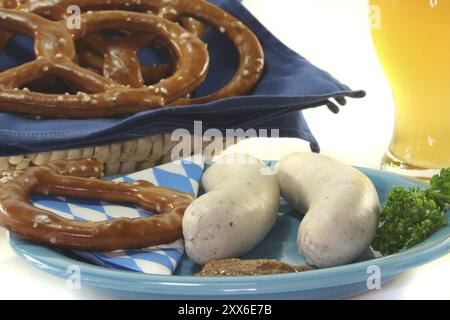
[(410, 216)]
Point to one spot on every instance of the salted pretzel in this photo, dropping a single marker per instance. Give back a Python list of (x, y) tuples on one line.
[(251, 55), (80, 179), (55, 51), (116, 59)]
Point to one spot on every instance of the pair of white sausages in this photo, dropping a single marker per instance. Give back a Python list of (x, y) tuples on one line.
[(241, 206)]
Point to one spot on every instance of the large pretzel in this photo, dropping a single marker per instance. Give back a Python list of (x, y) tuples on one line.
[(55, 51), (120, 62), (251, 55), (74, 179)]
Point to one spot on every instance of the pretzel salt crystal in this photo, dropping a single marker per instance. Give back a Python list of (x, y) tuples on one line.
[(74, 179), (55, 51)]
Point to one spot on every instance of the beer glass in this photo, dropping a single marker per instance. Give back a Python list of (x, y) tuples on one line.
[(412, 40)]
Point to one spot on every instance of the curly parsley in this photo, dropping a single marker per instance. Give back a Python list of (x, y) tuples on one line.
[(411, 216)]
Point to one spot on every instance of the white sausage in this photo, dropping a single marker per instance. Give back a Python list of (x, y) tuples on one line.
[(236, 213), (341, 206)]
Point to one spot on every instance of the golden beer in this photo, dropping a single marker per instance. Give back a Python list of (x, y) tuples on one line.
[(412, 39)]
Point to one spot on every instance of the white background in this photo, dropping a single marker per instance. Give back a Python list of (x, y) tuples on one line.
[(335, 36)]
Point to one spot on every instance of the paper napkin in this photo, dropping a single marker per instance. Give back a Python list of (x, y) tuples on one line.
[(182, 175)]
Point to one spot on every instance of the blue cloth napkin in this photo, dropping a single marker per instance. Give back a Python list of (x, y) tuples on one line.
[(182, 175), (290, 83)]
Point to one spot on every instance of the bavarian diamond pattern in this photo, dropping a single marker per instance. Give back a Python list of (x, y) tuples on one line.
[(182, 175)]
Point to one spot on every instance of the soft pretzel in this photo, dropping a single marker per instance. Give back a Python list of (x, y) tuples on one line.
[(74, 179), (108, 97), (251, 56), (55, 51), (121, 54)]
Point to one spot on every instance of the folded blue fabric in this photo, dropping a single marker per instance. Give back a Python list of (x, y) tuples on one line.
[(290, 83)]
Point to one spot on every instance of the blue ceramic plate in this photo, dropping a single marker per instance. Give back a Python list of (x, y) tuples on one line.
[(331, 283)]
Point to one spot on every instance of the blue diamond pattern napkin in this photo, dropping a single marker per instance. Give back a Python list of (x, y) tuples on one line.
[(182, 175)]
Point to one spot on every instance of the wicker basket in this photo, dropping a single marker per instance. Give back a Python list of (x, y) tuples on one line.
[(119, 158)]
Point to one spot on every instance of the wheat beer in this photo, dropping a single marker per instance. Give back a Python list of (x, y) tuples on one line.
[(412, 39)]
